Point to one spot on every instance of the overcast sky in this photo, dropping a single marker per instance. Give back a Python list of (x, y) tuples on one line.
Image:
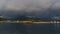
[(28, 4)]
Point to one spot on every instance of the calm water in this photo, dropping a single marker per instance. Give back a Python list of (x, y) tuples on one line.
[(29, 29)]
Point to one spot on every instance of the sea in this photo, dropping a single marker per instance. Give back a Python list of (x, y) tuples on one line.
[(17, 28)]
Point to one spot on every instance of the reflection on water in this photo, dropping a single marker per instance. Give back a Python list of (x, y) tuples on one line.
[(29, 29)]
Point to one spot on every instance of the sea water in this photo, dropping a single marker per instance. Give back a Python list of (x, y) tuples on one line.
[(17, 28)]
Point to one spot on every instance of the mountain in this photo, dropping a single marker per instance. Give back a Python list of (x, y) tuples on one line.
[(2, 19), (36, 15)]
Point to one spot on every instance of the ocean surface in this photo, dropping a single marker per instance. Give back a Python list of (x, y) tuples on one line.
[(29, 28)]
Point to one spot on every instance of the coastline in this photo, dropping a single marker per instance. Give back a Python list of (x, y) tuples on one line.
[(29, 22)]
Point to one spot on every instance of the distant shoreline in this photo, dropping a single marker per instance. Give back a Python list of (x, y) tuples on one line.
[(28, 22)]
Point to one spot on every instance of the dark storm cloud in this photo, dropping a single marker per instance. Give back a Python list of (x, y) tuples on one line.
[(38, 7)]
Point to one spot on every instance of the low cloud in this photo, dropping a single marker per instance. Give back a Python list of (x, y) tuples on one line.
[(28, 5), (36, 7)]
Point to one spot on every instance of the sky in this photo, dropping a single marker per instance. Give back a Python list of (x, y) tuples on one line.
[(39, 7), (29, 4)]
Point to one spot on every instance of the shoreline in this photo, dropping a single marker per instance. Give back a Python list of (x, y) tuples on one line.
[(28, 22)]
